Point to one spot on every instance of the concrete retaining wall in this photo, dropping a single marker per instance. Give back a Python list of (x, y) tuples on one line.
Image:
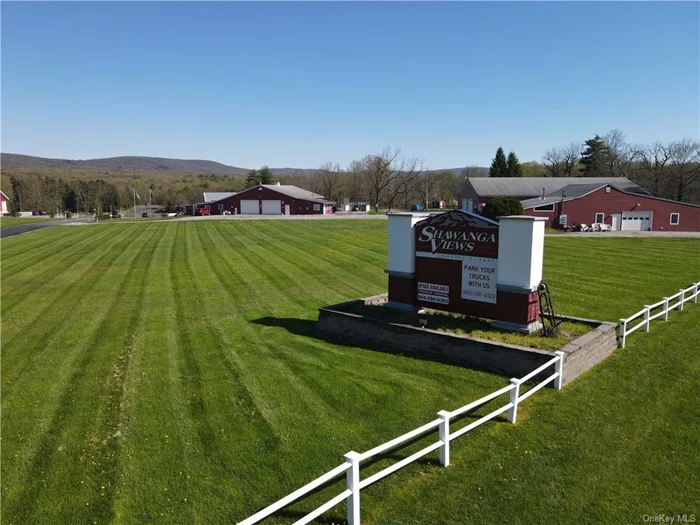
[(491, 356)]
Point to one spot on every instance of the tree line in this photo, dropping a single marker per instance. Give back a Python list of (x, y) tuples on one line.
[(669, 170), (388, 179)]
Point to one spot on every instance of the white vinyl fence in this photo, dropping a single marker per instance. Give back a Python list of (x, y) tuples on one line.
[(351, 467), (660, 309)]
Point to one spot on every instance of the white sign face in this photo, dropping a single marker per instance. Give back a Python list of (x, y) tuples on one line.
[(479, 276), (433, 293)]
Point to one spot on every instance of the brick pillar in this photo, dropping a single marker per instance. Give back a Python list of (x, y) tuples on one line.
[(520, 259)]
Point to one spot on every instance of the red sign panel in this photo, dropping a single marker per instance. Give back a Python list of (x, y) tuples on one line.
[(457, 233), (456, 261)]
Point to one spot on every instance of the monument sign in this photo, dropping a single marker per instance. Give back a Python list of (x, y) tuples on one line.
[(461, 262)]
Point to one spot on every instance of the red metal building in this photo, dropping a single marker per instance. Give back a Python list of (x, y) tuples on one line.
[(621, 210), (266, 199), (615, 201)]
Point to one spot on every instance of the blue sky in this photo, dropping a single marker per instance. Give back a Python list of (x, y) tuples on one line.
[(297, 84)]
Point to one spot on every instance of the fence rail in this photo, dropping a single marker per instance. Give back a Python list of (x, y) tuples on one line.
[(353, 460), (665, 306)]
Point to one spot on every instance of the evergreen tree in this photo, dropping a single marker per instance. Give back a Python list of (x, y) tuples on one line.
[(253, 179), (499, 166), (513, 166), (265, 175), (594, 159)]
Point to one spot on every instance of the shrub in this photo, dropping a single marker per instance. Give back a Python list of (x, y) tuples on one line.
[(502, 206)]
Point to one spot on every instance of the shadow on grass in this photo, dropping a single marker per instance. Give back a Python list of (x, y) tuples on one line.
[(307, 328)]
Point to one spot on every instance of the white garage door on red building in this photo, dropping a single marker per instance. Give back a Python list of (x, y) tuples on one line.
[(250, 207), (272, 207), (636, 221)]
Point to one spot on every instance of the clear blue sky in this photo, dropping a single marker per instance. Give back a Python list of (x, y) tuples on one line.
[(297, 84)]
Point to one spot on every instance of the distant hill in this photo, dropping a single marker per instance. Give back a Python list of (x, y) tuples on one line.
[(155, 164), (149, 164)]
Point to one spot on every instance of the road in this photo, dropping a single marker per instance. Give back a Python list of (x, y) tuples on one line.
[(11, 231)]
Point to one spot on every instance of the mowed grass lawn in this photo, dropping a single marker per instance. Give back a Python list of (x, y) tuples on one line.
[(167, 372)]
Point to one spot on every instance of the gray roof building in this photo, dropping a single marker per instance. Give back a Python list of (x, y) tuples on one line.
[(212, 196), (530, 187)]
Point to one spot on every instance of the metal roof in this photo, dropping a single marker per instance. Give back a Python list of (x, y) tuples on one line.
[(533, 186), (211, 196), (569, 193), (293, 191), (534, 203)]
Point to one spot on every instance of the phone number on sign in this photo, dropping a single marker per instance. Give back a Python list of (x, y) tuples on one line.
[(476, 293)]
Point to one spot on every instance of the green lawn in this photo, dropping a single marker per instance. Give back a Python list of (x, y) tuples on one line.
[(148, 379)]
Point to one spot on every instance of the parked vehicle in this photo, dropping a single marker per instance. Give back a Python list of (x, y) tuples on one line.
[(600, 227), (145, 214), (116, 215), (417, 207), (202, 211)]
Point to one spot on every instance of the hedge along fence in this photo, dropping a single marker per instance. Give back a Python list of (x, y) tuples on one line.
[(666, 305), (351, 467)]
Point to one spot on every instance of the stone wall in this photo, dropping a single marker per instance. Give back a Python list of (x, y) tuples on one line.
[(589, 349), (491, 356)]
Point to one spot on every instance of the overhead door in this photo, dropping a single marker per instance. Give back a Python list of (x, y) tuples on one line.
[(272, 207), (636, 221), (250, 207)]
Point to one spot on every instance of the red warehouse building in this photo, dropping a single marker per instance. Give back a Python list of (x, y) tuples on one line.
[(622, 210), (265, 199), (273, 199), (615, 201)]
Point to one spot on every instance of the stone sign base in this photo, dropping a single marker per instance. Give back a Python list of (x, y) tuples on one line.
[(339, 323)]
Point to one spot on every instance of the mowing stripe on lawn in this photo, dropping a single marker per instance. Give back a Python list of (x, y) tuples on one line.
[(20, 249), (32, 344), (156, 462), (344, 252), (291, 268), (55, 244), (196, 340), (302, 260), (36, 281), (76, 401), (371, 243)]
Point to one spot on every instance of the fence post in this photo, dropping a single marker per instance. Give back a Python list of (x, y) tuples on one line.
[(353, 482), (559, 369), (444, 415), (646, 317), (514, 394), (665, 308), (623, 330), (681, 300)]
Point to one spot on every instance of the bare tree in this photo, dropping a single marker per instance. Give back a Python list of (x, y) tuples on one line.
[(355, 181), (562, 162), (622, 156), (686, 168), (552, 161), (381, 172), (408, 169), (653, 163), (570, 159), (329, 178)]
